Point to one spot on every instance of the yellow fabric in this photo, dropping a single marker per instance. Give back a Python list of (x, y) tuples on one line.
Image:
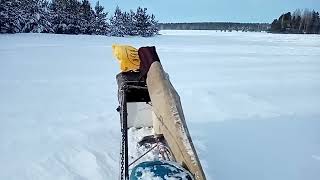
[(127, 56)]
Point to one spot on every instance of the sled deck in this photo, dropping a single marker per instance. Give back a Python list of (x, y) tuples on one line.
[(155, 141)]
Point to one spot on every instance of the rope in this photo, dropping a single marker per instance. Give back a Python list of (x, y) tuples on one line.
[(143, 154)]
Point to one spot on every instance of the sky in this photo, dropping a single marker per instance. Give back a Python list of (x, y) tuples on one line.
[(213, 10)]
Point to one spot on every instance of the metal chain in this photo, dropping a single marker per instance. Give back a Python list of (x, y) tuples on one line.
[(121, 110), (122, 154)]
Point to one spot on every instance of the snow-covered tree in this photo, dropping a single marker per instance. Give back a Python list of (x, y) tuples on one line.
[(65, 16), (154, 27), (59, 16), (72, 17), (11, 16), (24, 16), (87, 16), (129, 25), (117, 23), (101, 25), (132, 25), (299, 22), (36, 17), (144, 24)]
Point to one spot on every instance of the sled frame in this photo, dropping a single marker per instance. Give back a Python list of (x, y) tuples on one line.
[(131, 89)]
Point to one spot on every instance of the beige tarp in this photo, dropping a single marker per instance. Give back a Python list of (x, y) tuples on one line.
[(170, 120)]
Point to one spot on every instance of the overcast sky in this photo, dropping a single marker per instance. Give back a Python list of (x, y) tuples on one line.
[(213, 10)]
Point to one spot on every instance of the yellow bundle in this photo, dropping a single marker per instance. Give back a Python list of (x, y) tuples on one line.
[(127, 56)]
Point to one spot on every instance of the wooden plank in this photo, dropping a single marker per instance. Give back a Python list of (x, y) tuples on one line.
[(170, 120)]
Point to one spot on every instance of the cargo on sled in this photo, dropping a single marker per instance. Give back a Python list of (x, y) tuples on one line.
[(155, 141)]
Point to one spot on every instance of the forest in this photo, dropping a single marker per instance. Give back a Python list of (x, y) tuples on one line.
[(221, 26), (298, 22), (73, 17)]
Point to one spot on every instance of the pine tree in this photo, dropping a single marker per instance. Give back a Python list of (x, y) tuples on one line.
[(117, 23), (73, 19), (315, 22), (154, 27), (285, 21), (275, 26), (87, 18), (129, 27), (101, 25), (65, 16), (132, 25), (58, 16), (142, 22), (5, 16), (37, 17), (11, 16), (30, 15)]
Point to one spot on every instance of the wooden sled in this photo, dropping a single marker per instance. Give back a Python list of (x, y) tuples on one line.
[(151, 107)]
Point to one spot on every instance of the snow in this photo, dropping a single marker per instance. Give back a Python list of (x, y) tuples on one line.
[(147, 171), (251, 101), (147, 174), (148, 151), (135, 151)]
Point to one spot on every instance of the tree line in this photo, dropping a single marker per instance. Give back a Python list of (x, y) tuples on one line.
[(299, 22), (73, 17), (221, 26)]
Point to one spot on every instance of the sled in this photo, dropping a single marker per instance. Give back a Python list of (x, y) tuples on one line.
[(155, 139)]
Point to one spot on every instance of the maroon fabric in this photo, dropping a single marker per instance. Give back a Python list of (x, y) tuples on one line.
[(147, 56)]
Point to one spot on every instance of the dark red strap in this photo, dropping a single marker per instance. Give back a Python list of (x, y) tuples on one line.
[(147, 56)]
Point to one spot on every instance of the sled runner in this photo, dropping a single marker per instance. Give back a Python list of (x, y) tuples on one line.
[(155, 139)]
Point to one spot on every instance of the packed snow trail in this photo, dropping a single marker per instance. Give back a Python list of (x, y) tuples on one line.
[(251, 101)]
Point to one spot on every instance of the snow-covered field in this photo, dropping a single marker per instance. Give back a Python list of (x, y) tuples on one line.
[(252, 103)]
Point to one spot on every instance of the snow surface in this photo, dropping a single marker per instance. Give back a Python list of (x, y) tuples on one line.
[(251, 101)]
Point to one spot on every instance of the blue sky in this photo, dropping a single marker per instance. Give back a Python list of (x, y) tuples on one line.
[(213, 10)]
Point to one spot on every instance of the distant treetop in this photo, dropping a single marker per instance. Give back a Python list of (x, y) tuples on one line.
[(221, 26)]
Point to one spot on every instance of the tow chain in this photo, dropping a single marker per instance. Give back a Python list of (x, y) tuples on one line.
[(123, 117), (122, 154)]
